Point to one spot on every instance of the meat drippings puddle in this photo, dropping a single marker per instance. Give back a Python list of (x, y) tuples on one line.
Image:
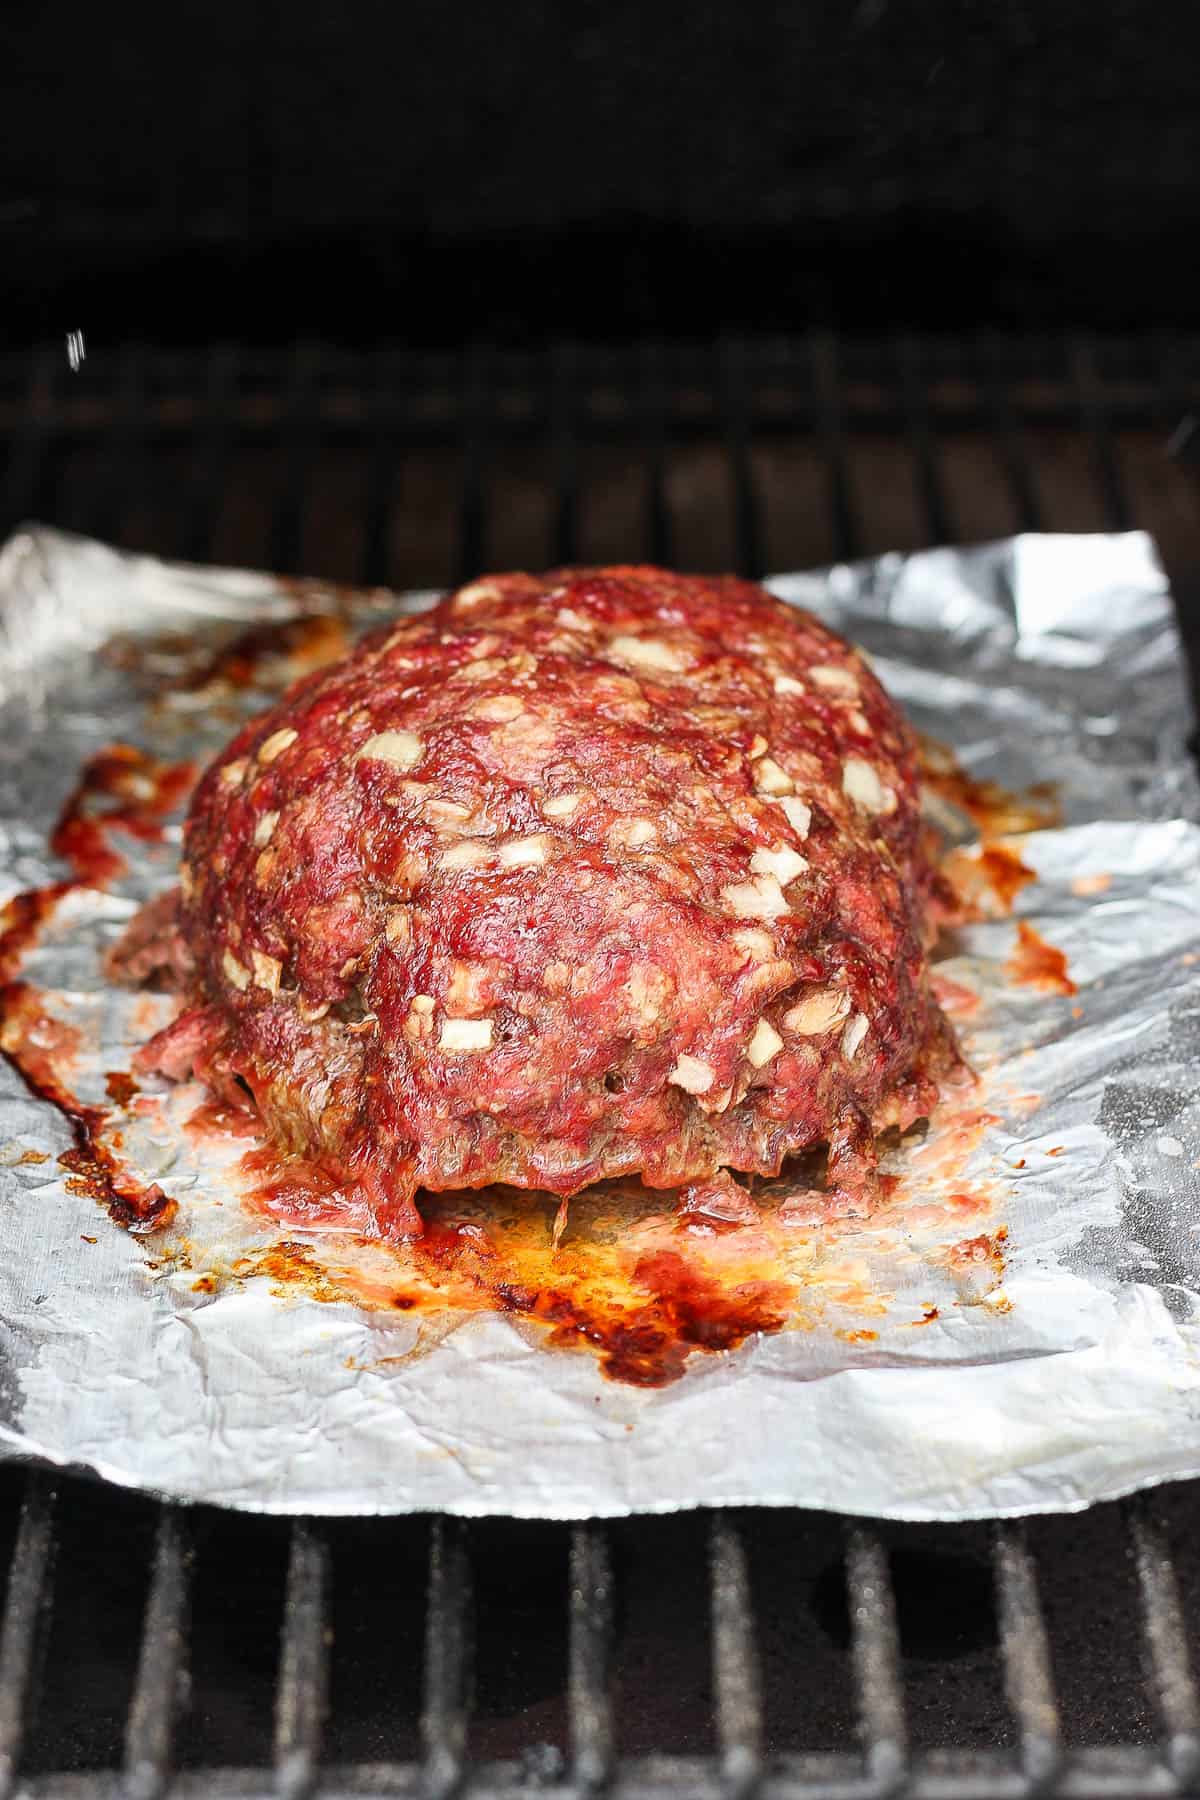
[(632, 1280), (635, 1281)]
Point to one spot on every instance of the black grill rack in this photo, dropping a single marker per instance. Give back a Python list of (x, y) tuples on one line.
[(1031, 1753), (149, 1650)]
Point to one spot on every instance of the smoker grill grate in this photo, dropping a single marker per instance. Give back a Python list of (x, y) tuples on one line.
[(393, 466)]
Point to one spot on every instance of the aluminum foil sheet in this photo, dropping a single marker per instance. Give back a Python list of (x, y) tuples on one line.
[(1018, 1329)]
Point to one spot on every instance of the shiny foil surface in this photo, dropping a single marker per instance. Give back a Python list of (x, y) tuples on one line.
[(1017, 1327)]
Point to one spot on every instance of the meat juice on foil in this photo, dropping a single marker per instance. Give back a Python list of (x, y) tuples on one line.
[(1012, 1329)]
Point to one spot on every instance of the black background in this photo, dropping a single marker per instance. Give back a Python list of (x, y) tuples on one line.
[(431, 172)]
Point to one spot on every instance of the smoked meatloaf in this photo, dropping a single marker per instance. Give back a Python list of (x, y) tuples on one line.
[(600, 873)]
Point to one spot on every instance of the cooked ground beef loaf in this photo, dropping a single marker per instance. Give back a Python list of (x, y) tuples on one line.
[(605, 872)]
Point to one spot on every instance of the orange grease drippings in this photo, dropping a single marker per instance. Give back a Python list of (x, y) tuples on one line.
[(685, 1310), (970, 1201), (954, 997), (121, 788), (120, 1086), (1036, 964), (273, 654), (994, 810), (995, 873), (140, 791), (1006, 872), (640, 1302), (21, 921), (293, 1269), (637, 1284), (1087, 885), (988, 1247), (43, 1047)]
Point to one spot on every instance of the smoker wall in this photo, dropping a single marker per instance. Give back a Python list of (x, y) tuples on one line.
[(873, 157)]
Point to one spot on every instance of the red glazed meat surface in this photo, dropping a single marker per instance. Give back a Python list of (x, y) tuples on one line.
[(606, 872)]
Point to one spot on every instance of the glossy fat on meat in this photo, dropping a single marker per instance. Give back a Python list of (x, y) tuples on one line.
[(599, 873)]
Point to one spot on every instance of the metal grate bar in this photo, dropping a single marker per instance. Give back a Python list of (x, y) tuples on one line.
[(1025, 1649), (875, 1640), (212, 451), (664, 410), (1168, 1660), (1093, 412), (588, 1702), (747, 512), (81, 409), (735, 1659), (930, 489), (564, 452), (1013, 457), (446, 1710), (660, 532), (305, 1640), (1105, 1773), (299, 433), (847, 533), (162, 1665), (26, 1604), (472, 514)]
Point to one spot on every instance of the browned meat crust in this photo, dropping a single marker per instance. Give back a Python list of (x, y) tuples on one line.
[(598, 873)]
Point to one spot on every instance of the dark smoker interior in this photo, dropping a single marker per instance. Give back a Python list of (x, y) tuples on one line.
[(395, 295)]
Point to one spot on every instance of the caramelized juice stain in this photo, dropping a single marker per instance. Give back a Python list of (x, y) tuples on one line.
[(274, 654), (987, 1248), (995, 811), (215, 666), (1036, 964), (624, 1284), (120, 789), (21, 922), (120, 1086), (1006, 872), (124, 789), (40, 1047), (988, 879), (294, 1271), (631, 1281), (956, 999)]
